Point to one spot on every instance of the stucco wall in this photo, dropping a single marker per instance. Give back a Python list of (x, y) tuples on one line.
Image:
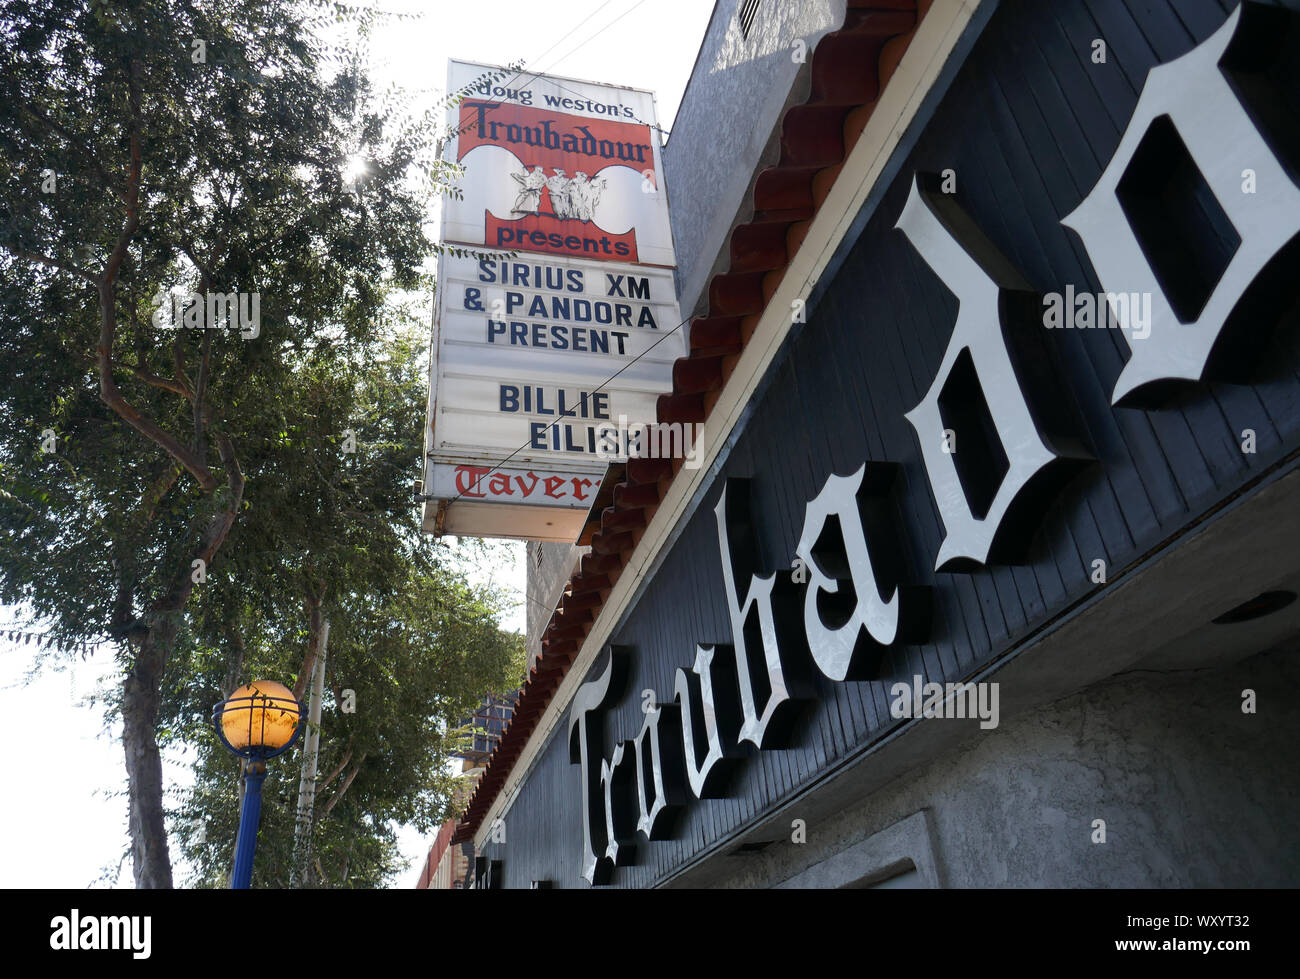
[(1194, 792), (549, 569), (725, 126)]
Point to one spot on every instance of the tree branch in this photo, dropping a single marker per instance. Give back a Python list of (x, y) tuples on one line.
[(178, 363), (200, 389), (161, 485), (235, 664), (108, 390), (314, 624), (347, 757), (205, 275), (124, 619), (178, 592), (58, 266), (90, 158), (347, 784), (162, 382)]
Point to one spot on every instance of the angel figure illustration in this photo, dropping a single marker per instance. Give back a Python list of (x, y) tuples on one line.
[(530, 190)]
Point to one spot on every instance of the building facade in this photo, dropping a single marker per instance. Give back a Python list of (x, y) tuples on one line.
[(453, 866), (988, 578)]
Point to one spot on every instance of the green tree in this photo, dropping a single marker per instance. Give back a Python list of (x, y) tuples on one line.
[(147, 146), (333, 534), (404, 668)]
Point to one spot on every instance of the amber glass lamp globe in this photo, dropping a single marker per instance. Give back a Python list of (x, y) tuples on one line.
[(263, 714)]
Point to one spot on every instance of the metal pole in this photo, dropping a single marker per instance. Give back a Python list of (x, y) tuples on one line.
[(246, 843)]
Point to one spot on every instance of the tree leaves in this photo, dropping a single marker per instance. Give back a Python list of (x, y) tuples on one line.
[(240, 144)]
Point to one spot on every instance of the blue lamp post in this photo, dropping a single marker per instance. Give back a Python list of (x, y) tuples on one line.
[(257, 722)]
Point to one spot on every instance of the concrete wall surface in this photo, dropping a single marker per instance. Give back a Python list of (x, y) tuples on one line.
[(725, 127), (1194, 792), (549, 569)]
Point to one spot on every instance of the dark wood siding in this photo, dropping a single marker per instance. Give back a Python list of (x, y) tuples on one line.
[(1027, 124)]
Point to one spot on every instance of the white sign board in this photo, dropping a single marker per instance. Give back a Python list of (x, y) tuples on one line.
[(536, 351)]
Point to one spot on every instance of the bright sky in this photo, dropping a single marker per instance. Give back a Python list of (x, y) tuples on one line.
[(649, 44), (67, 821)]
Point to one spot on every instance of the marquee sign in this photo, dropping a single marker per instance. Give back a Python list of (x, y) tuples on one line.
[(563, 320), (849, 596)]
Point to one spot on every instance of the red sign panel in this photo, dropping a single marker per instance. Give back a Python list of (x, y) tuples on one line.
[(560, 185)]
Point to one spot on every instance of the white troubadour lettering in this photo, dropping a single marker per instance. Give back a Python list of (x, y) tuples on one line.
[(835, 550), (978, 341), (1188, 100), (618, 783), (763, 667), (702, 717), (660, 779), (586, 749)]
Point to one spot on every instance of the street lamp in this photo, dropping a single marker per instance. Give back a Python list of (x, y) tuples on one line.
[(258, 721)]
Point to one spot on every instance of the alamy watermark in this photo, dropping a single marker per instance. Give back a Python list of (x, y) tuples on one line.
[(945, 700), (101, 932), (1098, 310), (651, 440), (240, 311)]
